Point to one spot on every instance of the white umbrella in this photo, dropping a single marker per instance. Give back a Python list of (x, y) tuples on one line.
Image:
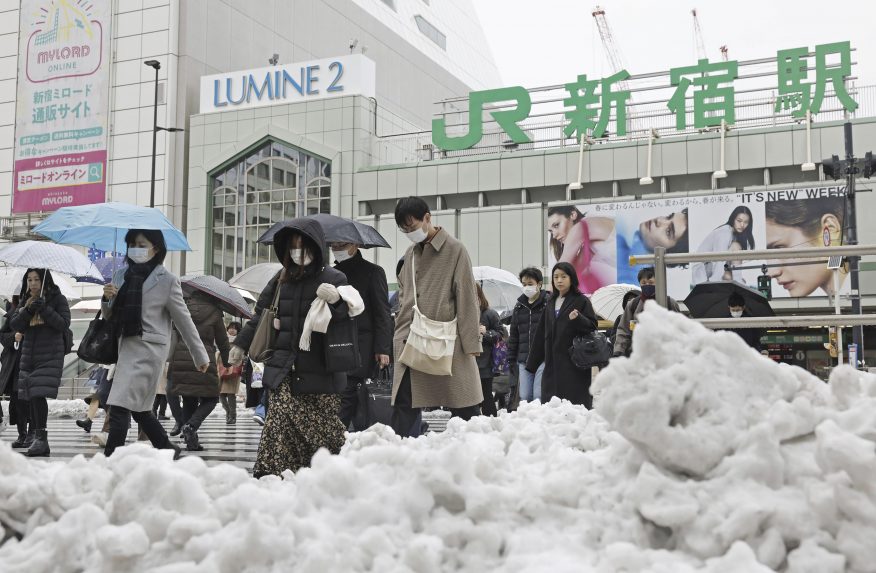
[(248, 296), (11, 279), (608, 300), (45, 255), (89, 305), (501, 287), (255, 278)]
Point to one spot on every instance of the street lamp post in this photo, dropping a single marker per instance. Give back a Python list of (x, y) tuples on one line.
[(156, 65)]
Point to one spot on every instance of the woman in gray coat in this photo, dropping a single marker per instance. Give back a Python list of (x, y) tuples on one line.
[(142, 300)]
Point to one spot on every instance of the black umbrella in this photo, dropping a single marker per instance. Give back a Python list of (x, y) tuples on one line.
[(341, 230), (709, 300)]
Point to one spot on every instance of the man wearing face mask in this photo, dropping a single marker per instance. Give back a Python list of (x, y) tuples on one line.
[(524, 322), (445, 290), (736, 308), (374, 325), (623, 344)]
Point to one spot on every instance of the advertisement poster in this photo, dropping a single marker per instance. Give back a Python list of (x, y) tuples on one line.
[(62, 108), (598, 239)]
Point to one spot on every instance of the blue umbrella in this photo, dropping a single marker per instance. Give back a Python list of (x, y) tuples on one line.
[(103, 226)]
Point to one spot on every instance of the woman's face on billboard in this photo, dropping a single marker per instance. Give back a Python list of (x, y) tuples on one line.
[(798, 280), (664, 231), (741, 223), (559, 226)]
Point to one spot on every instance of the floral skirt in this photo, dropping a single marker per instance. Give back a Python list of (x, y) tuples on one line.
[(297, 426)]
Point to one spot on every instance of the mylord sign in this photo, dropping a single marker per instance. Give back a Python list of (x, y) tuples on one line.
[(353, 74)]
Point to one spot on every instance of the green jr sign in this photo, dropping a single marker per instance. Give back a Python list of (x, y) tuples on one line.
[(589, 101)]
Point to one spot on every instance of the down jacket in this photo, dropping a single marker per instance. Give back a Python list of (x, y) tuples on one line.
[(42, 349), (310, 375), (524, 321), (184, 379)]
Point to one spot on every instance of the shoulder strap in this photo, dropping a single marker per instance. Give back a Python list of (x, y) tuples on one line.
[(276, 296), (414, 273)]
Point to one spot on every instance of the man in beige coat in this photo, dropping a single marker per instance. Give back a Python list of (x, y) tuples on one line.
[(446, 290)]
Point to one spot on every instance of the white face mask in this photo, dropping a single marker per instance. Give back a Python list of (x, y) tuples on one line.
[(736, 313), (530, 291), (300, 257), (417, 235), (139, 255), (341, 256)]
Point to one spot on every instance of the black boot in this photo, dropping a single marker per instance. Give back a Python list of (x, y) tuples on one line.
[(190, 435), (31, 435), (175, 430), (85, 424), (177, 451), (19, 443), (40, 445)]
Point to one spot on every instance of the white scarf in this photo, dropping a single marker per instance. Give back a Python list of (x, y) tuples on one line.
[(319, 315)]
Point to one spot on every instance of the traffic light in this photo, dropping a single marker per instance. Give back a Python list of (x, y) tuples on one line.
[(832, 167), (869, 167)]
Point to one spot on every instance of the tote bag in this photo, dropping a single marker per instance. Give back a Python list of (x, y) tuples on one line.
[(262, 347), (430, 344), (100, 345), (342, 346)]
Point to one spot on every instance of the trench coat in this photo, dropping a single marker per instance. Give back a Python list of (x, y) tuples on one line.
[(445, 290), (142, 358)]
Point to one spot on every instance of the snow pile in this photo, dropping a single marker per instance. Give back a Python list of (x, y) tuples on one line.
[(703, 456)]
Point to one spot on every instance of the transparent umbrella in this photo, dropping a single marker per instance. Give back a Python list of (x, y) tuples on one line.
[(501, 287), (608, 301), (255, 278)]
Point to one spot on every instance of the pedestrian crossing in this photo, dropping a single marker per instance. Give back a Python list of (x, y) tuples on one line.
[(236, 444)]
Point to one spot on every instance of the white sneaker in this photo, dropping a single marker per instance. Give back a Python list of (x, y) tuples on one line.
[(258, 419)]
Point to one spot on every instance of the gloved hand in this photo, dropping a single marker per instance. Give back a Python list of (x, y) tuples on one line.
[(236, 355), (328, 293), (37, 305)]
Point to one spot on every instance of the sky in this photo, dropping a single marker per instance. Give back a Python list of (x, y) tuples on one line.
[(552, 41)]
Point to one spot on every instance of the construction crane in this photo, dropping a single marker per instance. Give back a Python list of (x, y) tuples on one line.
[(699, 44), (725, 52), (613, 53)]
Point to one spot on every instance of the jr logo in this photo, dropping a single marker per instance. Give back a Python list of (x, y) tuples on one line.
[(507, 118)]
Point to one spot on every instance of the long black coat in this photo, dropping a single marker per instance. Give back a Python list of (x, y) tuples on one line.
[(375, 323), (296, 295), (9, 359), (43, 348), (183, 378), (562, 378), (489, 319), (524, 321)]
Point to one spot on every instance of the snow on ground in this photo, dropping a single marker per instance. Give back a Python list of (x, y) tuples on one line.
[(702, 456)]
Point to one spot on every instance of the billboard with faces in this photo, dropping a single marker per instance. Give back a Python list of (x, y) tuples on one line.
[(598, 239)]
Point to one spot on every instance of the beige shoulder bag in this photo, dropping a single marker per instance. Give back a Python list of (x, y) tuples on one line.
[(262, 346), (430, 343)]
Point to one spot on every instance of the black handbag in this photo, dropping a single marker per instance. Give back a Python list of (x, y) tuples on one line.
[(100, 345), (374, 400), (342, 346), (589, 350)]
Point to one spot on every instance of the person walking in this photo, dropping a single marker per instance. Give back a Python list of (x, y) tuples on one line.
[(43, 319), (490, 331), (374, 326), (623, 336), (142, 300), (19, 410), (159, 405), (304, 394), (567, 315), (445, 290), (524, 321), (199, 390), (736, 309), (229, 378)]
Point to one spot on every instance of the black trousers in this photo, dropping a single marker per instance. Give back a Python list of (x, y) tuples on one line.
[(39, 413), (159, 405), (120, 422), (176, 409), (404, 415), (350, 401), (488, 406), (195, 410), (19, 410)]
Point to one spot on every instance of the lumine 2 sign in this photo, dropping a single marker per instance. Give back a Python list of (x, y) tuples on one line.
[(589, 101)]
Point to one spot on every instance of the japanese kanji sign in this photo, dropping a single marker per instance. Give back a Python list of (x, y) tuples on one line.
[(703, 97), (62, 104)]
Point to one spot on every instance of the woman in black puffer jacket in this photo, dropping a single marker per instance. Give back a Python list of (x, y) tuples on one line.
[(305, 396), (43, 319)]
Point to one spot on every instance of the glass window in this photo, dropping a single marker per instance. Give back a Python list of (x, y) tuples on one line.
[(257, 191), (390, 3), (431, 32)]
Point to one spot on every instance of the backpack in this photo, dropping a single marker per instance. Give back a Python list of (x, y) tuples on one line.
[(500, 357)]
